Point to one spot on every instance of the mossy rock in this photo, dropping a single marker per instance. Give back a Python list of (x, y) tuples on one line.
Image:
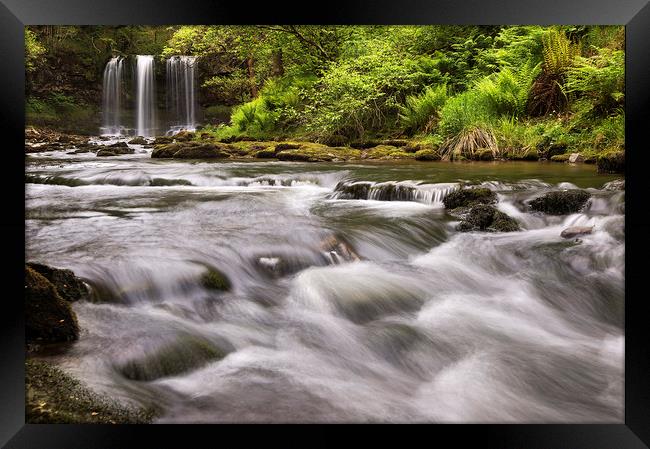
[(183, 136), (48, 317), (469, 197), (201, 151), (530, 155), (560, 202), (286, 146), (611, 162), (67, 285), (185, 354), (483, 217), (164, 151), (555, 150), (214, 279), (387, 152), (414, 147), (139, 140), (163, 140), (483, 154), (312, 152), (265, 154), (427, 155), (54, 397), (560, 158)]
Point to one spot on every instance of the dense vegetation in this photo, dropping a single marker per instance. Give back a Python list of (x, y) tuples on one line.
[(520, 92)]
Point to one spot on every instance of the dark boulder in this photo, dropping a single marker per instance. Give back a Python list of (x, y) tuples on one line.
[(184, 136), (201, 151), (575, 231), (114, 151), (214, 279), (560, 202), (469, 197), (611, 162), (163, 140), (69, 286), (338, 250), (139, 140), (426, 155), (483, 217), (48, 318)]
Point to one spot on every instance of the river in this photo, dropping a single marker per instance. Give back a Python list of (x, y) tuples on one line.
[(430, 325)]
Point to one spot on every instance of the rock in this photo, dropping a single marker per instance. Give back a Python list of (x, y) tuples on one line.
[(114, 151), (560, 158), (201, 151), (183, 136), (575, 231), (338, 250), (575, 158), (48, 318), (286, 146), (54, 397), (214, 279), (163, 140), (265, 154), (64, 138), (69, 286), (617, 184), (426, 155), (483, 217), (560, 202), (139, 140), (118, 145), (187, 353), (395, 142), (611, 162), (165, 151), (469, 197)]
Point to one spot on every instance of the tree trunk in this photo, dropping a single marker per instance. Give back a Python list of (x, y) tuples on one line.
[(277, 67), (251, 76)]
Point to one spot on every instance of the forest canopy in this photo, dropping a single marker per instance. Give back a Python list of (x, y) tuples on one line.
[(521, 89)]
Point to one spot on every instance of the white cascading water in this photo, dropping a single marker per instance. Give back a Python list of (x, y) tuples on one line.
[(181, 92), (145, 96), (112, 97)]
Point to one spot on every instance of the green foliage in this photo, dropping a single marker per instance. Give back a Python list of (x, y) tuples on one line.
[(463, 111), (559, 52), (601, 78), (506, 92), (34, 51), (420, 112)]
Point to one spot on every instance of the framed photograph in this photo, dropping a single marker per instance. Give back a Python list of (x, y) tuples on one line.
[(382, 214)]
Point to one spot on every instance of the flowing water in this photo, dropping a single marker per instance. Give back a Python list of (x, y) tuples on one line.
[(181, 92), (145, 96), (113, 97), (430, 325)]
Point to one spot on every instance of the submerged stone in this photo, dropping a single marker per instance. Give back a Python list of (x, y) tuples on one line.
[(214, 279), (187, 353), (560, 202)]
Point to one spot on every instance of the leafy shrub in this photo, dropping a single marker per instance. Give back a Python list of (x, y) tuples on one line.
[(422, 111)]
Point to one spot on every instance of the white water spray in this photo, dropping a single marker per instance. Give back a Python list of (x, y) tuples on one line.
[(181, 92), (145, 96), (112, 97)]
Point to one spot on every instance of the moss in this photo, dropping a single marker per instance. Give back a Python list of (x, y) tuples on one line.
[(469, 197), (138, 141), (560, 202), (530, 155), (483, 217), (387, 152), (286, 146), (560, 158), (52, 396), (185, 354), (163, 140), (48, 318), (314, 152), (214, 279), (265, 154), (184, 136), (189, 150), (611, 162), (67, 285), (426, 155)]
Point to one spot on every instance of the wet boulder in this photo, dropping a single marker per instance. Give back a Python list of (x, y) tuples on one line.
[(139, 140), (184, 136), (617, 184), (214, 279), (69, 286), (346, 190), (575, 231), (483, 217), (201, 151), (185, 354), (338, 250), (106, 151), (560, 202), (161, 140), (267, 153), (48, 317), (469, 197), (165, 151)]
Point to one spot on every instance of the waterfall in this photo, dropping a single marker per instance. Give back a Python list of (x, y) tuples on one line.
[(112, 96), (181, 92), (145, 96)]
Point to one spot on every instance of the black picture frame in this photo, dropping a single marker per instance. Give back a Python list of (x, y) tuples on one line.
[(634, 14)]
